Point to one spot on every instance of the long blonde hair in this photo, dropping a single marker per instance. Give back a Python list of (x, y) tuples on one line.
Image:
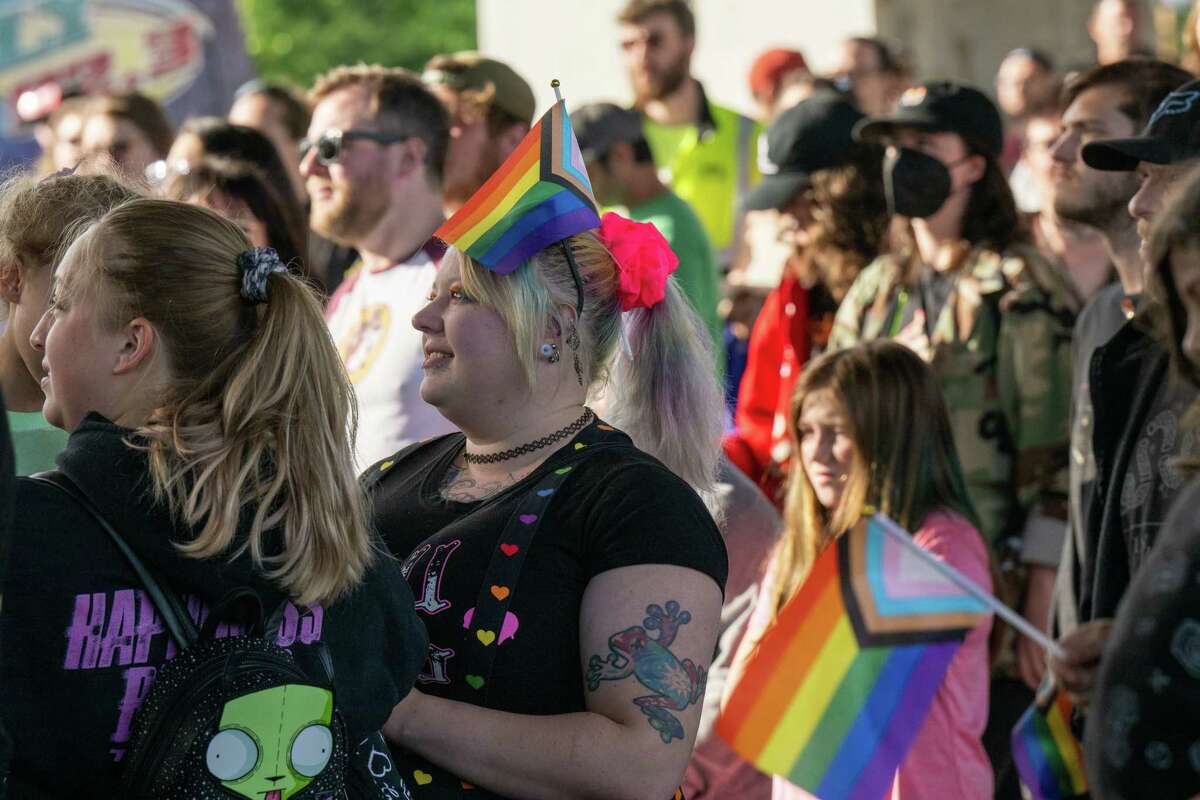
[(905, 464), (253, 425), (668, 398)]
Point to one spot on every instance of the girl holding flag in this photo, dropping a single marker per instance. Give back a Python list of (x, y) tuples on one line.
[(571, 583), (871, 430)]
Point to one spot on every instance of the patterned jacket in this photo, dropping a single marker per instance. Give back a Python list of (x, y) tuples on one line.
[(1002, 349)]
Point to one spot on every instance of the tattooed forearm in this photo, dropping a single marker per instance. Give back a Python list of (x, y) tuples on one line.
[(676, 684)]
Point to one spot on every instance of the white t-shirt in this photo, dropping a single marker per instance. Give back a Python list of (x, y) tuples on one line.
[(370, 317)]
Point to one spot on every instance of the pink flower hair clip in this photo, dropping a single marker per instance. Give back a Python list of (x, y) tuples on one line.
[(644, 260)]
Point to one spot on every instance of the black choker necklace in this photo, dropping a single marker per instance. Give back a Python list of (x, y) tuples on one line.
[(537, 444)]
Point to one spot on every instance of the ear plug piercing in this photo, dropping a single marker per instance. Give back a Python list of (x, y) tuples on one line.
[(550, 352)]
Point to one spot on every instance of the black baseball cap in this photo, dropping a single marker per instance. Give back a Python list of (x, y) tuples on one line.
[(811, 136), (942, 107), (1173, 135)]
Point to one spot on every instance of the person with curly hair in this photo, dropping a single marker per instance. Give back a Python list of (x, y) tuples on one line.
[(830, 194)]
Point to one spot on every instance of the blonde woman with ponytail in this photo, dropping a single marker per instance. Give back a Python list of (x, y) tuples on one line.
[(207, 413), (590, 681), (870, 430)]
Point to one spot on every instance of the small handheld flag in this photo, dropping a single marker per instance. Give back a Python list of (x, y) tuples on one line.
[(1047, 754), (835, 692), (540, 195)]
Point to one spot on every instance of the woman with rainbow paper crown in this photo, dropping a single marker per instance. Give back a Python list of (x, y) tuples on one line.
[(571, 583)]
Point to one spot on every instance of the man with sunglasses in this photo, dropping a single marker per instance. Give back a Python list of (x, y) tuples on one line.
[(706, 153), (372, 163)]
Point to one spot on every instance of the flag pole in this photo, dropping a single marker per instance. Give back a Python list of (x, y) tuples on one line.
[(964, 583), (554, 84)]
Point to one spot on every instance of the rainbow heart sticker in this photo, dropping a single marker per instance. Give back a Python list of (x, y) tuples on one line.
[(486, 637), (500, 592), (528, 519), (475, 681), (509, 550), (422, 778)]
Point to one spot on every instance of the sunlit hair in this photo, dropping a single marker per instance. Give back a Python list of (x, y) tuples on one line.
[(849, 221), (1177, 227), (36, 216), (905, 464), (666, 397), (253, 425)]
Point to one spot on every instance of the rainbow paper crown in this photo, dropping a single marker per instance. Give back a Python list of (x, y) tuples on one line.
[(540, 195)]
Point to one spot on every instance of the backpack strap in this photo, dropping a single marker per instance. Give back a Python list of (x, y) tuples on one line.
[(169, 608), (491, 623)]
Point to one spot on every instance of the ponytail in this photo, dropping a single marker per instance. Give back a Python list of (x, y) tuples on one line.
[(257, 422), (666, 395)]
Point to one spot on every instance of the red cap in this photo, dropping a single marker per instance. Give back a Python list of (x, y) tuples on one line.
[(771, 66)]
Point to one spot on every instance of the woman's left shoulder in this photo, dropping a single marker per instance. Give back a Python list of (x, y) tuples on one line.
[(636, 511)]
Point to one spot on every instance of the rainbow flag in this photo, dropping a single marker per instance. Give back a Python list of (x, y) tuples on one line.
[(834, 693), (540, 195), (1047, 754)]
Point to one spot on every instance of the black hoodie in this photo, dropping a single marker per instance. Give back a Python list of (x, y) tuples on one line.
[(80, 641)]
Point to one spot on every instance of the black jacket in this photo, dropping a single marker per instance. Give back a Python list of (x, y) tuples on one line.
[(80, 641), (1128, 375)]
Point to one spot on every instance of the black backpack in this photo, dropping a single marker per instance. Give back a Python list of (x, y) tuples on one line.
[(236, 716)]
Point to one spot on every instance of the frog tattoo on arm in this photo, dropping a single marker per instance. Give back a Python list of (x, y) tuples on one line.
[(674, 684)]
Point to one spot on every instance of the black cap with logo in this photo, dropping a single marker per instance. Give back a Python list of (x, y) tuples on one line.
[(809, 137), (942, 106), (1173, 135)]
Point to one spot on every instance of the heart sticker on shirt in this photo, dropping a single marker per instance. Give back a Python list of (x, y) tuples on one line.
[(466, 785), (562, 471), (528, 519), (545, 492), (385, 466), (486, 637), (509, 550), (580, 445), (500, 592), (422, 778), (475, 681), (606, 427)]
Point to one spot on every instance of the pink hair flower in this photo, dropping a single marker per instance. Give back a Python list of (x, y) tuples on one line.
[(644, 260)]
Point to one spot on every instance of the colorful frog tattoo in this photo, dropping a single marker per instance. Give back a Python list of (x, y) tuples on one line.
[(676, 684)]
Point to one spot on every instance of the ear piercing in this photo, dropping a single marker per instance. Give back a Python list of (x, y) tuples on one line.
[(549, 352)]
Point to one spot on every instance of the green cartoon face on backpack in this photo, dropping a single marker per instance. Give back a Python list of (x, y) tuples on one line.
[(271, 744)]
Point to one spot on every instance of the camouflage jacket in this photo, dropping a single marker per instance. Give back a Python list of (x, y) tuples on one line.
[(1002, 349)]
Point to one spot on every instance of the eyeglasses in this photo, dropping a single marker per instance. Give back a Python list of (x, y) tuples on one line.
[(329, 146)]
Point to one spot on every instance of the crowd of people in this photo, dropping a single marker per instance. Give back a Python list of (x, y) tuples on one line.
[(514, 531)]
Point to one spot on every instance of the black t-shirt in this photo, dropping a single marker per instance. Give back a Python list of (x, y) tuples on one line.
[(80, 641), (620, 508), (1152, 481)]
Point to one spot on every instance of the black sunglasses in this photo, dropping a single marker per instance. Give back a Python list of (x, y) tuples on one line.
[(329, 145)]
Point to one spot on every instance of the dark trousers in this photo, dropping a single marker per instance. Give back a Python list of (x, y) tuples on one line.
[(1009, 699)]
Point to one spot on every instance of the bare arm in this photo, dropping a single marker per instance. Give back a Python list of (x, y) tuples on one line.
[(647, 636)]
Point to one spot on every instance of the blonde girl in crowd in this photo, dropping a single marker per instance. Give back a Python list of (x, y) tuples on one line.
[(852, 455), (207, 409)]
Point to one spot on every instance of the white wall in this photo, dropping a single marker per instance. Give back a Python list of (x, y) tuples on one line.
[(577, 41)]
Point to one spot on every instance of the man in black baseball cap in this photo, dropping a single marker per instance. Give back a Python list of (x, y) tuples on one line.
[(1165, 152), (809, 137)]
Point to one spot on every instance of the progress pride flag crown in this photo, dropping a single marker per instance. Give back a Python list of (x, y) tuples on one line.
[(540, 195)]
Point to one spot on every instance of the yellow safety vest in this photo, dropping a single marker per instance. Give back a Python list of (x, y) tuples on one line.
[(711, 165)]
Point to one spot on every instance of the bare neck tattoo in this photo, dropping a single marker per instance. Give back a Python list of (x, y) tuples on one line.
[(459, 487)]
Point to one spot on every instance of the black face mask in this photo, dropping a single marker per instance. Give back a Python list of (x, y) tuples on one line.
[(917, 185)]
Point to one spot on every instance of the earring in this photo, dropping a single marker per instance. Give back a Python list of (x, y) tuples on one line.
[(573, 343), (550, 352)]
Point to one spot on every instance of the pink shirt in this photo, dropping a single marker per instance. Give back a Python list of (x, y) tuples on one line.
[(947, 760)]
